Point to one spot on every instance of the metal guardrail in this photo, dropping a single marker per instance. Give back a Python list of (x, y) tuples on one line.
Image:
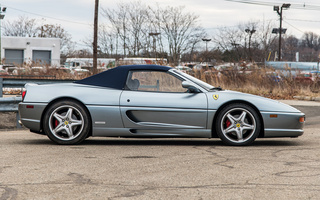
[(19, 83), (10, 104)]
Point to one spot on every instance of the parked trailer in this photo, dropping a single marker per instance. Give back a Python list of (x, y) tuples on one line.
[(87, 63), (296, 66), (142, 61)]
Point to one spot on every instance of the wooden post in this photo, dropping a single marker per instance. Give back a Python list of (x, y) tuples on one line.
[(95, 37)]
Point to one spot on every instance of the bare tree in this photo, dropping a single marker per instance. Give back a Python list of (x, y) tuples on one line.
[(250, 36), (138, 17), (155, 26), (55, 31), (230, 38), (22, 27), (130, 23), (106, 40), (252, 40), (25, 27), (266, 39), (311, 40), (290, 47), (195, 40), (119, 21), (180, 29), (139, 27)]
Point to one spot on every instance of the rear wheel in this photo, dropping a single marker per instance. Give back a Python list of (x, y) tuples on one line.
[(238, 124), (67, 122)]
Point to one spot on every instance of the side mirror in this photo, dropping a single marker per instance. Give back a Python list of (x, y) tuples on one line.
[(191, 88)]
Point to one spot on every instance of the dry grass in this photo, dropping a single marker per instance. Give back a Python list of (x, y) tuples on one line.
[(262, 82), (50, 73)]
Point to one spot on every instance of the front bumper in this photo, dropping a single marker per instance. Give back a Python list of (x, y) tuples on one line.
[(284, 125)]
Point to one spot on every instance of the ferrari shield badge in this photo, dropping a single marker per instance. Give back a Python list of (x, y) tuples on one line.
[(215, 96)]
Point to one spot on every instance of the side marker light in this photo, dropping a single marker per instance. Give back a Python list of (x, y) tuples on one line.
[(301, 119)]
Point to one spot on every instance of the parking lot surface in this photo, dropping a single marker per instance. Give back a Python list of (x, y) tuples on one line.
[(32, 167)]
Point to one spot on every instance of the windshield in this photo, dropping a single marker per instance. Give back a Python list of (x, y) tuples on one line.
[(204, 85), (68, 64)]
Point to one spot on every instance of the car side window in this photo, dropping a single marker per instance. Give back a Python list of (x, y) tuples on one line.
[(153, 81)]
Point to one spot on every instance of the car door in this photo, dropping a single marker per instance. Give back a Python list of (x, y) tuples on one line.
[(155, 103)]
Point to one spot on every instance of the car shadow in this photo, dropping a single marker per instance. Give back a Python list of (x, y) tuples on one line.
[(153, 142), (179, 142), (163, 142)]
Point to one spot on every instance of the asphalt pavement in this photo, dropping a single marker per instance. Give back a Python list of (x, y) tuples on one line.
[(32, 167)]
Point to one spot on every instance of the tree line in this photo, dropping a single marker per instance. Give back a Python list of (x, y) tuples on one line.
[(136, 29), (255, 41), (26, 27)]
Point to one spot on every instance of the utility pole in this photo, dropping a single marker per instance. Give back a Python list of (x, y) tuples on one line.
[(154, 35), (2, 10), (95, 37), (276, 8), (250, 32), (206, 40)]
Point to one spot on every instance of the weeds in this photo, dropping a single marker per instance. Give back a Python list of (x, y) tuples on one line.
[(262, 82)]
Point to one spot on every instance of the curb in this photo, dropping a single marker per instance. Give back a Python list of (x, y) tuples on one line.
[(307, 98)]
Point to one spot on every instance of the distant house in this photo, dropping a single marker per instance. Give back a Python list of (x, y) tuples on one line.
[(20, 51)]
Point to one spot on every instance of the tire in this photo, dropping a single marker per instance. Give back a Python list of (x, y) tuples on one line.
[(66, 122), (238, 124)]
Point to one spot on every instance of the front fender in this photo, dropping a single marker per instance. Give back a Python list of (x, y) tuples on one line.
[(219, 98)]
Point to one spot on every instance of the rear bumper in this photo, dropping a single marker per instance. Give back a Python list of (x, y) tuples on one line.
[(30, 115)]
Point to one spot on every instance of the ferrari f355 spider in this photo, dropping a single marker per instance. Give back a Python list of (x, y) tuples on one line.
[(153, 101)]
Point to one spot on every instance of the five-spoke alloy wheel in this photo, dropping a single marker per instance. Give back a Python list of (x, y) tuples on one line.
[(238, 124), (66, 122)]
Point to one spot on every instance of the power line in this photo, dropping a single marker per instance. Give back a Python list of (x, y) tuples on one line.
[(260, 3), (219, 27), (293, 26), (64, 20), (304, 20), (302, 6), (231, 26)]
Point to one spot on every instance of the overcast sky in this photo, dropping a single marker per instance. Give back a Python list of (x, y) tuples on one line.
[(76, 16)]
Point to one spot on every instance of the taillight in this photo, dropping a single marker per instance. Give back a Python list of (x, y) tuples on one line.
[(23, 94)]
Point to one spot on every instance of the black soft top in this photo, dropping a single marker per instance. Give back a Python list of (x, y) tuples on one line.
[(116, 77)]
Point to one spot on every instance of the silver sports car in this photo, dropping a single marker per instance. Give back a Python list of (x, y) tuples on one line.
[(153, 101)]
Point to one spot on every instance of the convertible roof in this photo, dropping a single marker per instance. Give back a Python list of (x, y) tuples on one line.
[(116, 77)]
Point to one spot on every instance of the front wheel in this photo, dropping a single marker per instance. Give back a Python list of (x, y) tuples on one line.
[(66, 122), (238, 124)]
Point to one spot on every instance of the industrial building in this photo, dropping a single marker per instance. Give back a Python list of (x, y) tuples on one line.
[(31, 51)]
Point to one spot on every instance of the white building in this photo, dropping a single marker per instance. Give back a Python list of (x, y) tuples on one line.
[(36, 51)]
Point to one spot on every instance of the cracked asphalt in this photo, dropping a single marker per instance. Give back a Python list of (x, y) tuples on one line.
[(32, 167)]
